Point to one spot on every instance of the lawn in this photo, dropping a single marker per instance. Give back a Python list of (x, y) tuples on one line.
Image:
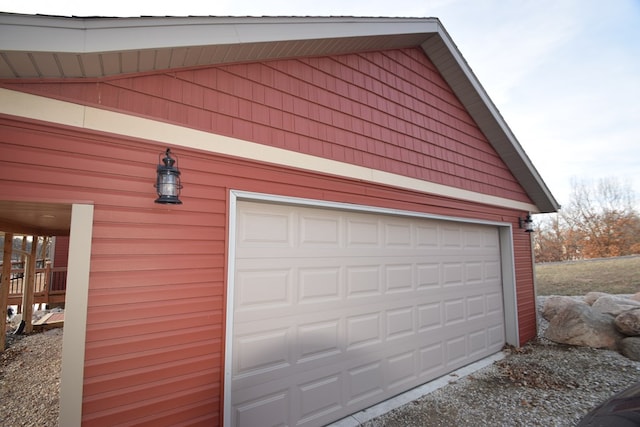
[(612, 275)]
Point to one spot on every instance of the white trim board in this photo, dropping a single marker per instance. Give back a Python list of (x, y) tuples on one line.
[(36, 107), (76, 303)]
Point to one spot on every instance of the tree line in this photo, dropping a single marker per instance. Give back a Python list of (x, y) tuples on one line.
[(599, 221)]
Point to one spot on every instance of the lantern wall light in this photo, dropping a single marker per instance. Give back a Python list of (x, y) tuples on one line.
[(168, 181), (526, 223)]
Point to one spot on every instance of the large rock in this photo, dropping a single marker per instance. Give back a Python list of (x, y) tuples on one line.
[(614, 306), (635, 297), (592, 297), (578, 324), (555, 304), (630, 347), (629, 322)]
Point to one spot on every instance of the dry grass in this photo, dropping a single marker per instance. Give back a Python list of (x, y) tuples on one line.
[(612, 275)]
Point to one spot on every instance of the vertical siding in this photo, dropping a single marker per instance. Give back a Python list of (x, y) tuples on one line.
[(388, 110)]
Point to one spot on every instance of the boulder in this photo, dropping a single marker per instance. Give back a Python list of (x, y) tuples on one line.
[(635, 297), (630, 348), (555, 304), (578, 324), (613, 305), (629, 322), (592, 297)]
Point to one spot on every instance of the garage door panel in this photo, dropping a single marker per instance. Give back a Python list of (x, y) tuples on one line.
[(335, 311), (363, 281), (478, 341), (494, 303), (261, 352), (273, 229), (364, 384), (262, 288), (431, 360), (400, 322), (269, 410), (401, 370), (319, 398), (318, 284), (455, 351), (316, 231)]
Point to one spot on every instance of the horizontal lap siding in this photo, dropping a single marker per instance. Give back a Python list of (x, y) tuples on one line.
[(388, 110), (525, 292), (155, 312), (154, 351)]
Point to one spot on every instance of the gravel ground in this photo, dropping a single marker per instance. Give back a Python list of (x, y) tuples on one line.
[(540, 384), (30, 379)]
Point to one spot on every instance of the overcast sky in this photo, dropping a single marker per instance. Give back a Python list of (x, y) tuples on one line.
[(565, 74)]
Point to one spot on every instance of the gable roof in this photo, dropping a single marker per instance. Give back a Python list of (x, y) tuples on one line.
[(36, 47)]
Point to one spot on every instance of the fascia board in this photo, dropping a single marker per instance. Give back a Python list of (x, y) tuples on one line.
[(445, 55)]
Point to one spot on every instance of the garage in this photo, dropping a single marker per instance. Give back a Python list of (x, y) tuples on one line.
[(352, 216), (332, 310)]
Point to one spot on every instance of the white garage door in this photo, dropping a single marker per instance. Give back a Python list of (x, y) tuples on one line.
[(334, 311)]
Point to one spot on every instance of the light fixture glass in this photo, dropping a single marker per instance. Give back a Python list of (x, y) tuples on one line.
[(526, 223), (168, 183)]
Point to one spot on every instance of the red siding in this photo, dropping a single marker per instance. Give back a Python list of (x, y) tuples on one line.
[(156, 297), (61, 251), (525, 291), (389, 110), (155, 324)]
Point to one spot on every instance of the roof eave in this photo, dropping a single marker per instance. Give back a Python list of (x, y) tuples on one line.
[(61, 47), (447, 58)]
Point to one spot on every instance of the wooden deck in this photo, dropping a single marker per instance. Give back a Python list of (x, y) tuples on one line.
[(49, 321)]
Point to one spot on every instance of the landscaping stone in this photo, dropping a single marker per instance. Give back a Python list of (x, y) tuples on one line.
[(555, 304), (609, 304), (592, 297), (628, 322), (579, 324), (630, 348)]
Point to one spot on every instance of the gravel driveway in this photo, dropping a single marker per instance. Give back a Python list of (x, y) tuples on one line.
[(541, 384)]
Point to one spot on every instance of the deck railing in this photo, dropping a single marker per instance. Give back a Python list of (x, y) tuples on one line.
[(50, 283)]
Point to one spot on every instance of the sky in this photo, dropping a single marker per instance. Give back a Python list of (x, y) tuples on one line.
[(564, 74)]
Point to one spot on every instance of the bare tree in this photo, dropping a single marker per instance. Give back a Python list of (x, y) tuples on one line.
[(599, 221), (549, 239)]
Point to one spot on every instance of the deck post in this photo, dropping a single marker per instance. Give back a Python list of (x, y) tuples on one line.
[(29, 286), (48, 276), (4, 287)]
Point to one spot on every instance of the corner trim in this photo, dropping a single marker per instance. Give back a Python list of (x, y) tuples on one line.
[(75, 328)]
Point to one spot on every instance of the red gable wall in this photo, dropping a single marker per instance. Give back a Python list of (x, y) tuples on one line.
[(390, 111)]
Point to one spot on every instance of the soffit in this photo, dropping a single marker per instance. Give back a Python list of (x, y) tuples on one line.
[(57, 47), (40, 219)]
